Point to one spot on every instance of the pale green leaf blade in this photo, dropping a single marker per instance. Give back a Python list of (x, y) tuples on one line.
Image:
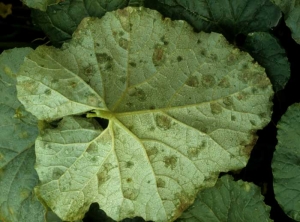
[(48, 78), (18, 133), (228, 200), (286, 163), (39, 4), (182, 107), (266, 50), (227, 17), (60, 21)]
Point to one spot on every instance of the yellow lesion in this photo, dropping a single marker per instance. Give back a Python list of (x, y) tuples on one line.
[(100, 113)]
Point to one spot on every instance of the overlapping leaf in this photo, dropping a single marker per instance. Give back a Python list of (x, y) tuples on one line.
[(286, 163), (18, 132), (227, 17), (60, 21), (228, 200), (266, 50), (181, 107), (40, 4)]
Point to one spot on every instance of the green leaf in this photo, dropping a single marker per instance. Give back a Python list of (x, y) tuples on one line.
[(286, 163), (291, 10), (228, 200), (227, 17), (293, 21), (39, 4), (182, 106), (265, 49), (17, 135), (60, 21)]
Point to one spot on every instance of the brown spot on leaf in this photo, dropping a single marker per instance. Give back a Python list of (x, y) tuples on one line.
[(57, 173), (160, 183), (130, 193), (103, 58), (102, 177), (228, 101), (138, 93), (158, 56), (163, 121), (184, 202), (128, 180), (192, 81), (124, 43), (208, 80), (152, 151), (224, 83), (170, 161), (215, 108)]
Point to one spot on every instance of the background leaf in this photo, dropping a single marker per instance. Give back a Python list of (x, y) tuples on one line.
[(18, 132), (227, 17), (265, 49), (181, 106), (60, 21), (228, 200), (40, 4), (286, 163)]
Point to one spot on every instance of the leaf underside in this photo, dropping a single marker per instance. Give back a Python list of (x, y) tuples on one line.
[(182, 106)]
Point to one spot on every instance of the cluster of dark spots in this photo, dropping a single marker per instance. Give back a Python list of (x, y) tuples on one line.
[(138, 93), (162, 121), (192, 81), (163, 39), (170, 161), (103, 58), (208, 80), (132, 64), (179, 58)]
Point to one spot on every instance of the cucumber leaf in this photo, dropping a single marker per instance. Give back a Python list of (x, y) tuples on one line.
[(182, 107), (286, 163), (18, 133)]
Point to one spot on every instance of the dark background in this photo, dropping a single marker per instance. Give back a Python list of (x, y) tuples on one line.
[(17, 30)]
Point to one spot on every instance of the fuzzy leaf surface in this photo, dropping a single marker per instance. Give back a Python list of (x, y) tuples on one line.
[(286, 163), (18, 132), (182, 106)]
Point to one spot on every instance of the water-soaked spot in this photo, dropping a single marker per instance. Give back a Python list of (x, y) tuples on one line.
[(73, 84), (129, 104), (208, 80), (253, 123), (94, 159), (102, 177), (162, 121), (129, 180), (254, 90), (88, 71), (246, 77), (192, 81), (263, 115), (30, 86), (193, 152), (164, 41), (152, 151), (224, 83), (92, 149), (228, 101), (170, 161), (158, 56), (122, 79), (138, 93), (121, 33), (103, 58), (152, 107), (214, 57), (57, 173), (215, 108), (97, 44), (124, 43), (47, 92), (198, 41), (248, 146), (261, 81), (233, 117), (179, 58), (130, 193), (203, 52), (152, 128), (133, 64), (160, 183), (129, 164), (93, 101)]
